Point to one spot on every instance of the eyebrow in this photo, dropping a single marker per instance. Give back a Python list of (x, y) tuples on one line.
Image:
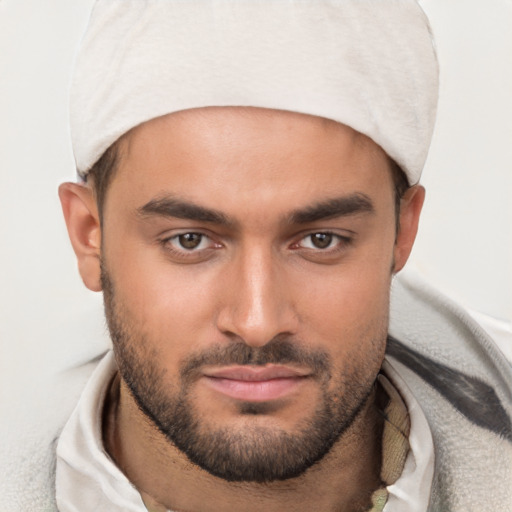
[(172, 207), (169, 206), (332, 208)]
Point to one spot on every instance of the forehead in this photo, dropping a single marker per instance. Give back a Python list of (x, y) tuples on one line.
[(233, 124), (234, 154)]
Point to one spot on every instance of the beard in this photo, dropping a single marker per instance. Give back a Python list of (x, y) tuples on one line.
[(254, 452)]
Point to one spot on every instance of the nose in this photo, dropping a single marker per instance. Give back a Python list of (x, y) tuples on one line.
[(257, 304)]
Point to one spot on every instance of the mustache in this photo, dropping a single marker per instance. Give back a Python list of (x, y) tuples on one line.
[(279, 350)]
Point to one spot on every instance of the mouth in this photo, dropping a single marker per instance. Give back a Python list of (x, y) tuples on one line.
[(255, 383)]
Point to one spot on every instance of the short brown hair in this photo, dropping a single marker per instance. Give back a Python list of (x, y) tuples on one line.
[(101, 174)]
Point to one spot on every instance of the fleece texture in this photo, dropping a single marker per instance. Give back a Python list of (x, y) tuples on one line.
[(463, 382)]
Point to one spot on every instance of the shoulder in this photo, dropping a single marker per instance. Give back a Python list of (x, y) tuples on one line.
[(30, 429), (463, 383), (434, 326)]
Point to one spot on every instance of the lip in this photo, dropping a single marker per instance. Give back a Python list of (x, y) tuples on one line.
[(255, 373), (255, 383)]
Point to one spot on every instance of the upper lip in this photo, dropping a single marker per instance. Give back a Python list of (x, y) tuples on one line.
[(255, 373)]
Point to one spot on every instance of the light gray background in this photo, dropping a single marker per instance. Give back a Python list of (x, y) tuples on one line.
[(465, 241)]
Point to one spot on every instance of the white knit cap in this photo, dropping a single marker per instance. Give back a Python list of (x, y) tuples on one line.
[(369, 64)]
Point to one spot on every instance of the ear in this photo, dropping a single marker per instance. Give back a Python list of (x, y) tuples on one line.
[(84, 229), (410, 209)]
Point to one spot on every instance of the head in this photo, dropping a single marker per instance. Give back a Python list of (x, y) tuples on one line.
[(233, 237), (248, 217)]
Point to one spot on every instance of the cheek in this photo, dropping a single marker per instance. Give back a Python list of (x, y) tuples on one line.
[(360, 282), (349, 309), (170, 306)]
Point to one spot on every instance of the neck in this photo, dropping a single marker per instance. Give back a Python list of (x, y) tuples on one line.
[(343, 481)]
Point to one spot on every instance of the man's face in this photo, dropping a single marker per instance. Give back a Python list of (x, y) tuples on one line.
[(246, 265)]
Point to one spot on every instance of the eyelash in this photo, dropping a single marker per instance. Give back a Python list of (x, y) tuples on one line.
[(183, 252), (341, 243), (335, 237)]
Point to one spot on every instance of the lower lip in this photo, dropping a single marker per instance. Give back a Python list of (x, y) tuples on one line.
[(255, 391)]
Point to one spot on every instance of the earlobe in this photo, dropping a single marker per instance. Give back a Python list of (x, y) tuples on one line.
[(84, 229), (410, 210)]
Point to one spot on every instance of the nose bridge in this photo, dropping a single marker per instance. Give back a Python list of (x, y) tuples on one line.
[(257, 308)]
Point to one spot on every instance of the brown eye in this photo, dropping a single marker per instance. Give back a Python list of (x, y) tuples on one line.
[(190, 247), (190, 240), (321, 240), (323, 246)]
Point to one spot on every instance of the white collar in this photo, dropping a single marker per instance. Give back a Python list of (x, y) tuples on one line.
[(411, 492), (87, 479)]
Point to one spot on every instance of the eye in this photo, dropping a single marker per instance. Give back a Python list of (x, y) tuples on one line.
[(189, 242), (190, 247), (320, 240)]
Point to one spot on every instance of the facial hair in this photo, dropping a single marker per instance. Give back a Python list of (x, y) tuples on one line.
[(256, 453)]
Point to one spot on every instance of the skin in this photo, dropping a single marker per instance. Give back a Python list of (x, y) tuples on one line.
[(254, 278)]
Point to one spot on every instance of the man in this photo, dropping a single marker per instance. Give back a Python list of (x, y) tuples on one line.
[(250, 187)]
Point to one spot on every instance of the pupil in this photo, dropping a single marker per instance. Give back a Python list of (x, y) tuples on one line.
[(190, 240), (321, 240)]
